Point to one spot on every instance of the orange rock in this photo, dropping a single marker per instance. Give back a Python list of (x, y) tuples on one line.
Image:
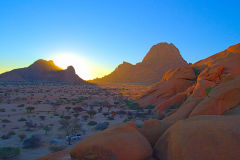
[(175, 100), (212, 73), (199, 90), (184, 111), (173, 82), (201, 138), (160, 58), (150, 130), (229, 59), (221, 98), (122, 142), (61, 155), (183, 72)]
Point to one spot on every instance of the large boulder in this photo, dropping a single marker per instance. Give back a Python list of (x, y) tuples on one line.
[(122, 142), (220, 98), (175, 100), (173, 82), (150, 129), (202, 137), (184, 111)]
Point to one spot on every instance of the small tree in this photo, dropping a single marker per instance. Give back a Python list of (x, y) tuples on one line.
[(22, 137), (68, 108), (70, 126), (91, 113), (46, 129), (30, 109)]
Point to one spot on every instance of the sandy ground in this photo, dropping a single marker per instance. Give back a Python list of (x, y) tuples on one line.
[(50, 102)]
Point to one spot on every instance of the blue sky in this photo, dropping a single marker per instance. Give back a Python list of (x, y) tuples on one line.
[(107, 32)]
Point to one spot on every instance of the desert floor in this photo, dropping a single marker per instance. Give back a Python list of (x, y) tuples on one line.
[(37, 109)]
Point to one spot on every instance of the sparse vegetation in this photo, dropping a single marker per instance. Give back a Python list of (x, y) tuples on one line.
[(22, 119), (33, 142), (22, 137), (208, 90), (174, 106), (2, 110), (9, 152), (6, 121), (30, 109), (92, 123), (21, 105), (150, 107), (70, 126)]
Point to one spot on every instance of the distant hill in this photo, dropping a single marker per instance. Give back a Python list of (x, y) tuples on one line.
[(159, 59), (42, 71)]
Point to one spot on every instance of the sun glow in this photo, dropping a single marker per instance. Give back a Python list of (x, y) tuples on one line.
[(81, 66)]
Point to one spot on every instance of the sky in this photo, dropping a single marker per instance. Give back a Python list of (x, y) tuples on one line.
[(95, 36)]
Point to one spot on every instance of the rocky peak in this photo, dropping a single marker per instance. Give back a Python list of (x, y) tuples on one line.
[(44, 65), (234, 48), (162, 52), (71, 69)]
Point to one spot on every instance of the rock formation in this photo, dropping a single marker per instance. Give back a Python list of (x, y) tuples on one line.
[(202, 137), (158, 60), (115, 143), (42, 71)]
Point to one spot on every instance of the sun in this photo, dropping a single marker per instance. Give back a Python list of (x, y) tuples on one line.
[(80, 65)]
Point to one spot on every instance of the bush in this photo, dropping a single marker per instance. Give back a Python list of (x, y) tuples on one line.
[(150, 107), (5, 137), (102, 126), (92, 123), (9, 152), (11, 133), (111, 118), (105, 114), (85, 117), (2, 110), (156, 116), (22, 137), (5, 121), (139, 126), (20, 105), (33, 142), (174, 106), (22, 119), (132, 105), (208, 90), (126, 120), (122, 112)]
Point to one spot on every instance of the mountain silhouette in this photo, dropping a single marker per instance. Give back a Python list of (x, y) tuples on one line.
[(42, 71)]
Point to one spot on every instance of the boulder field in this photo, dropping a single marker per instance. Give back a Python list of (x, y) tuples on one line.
[(204, 102)]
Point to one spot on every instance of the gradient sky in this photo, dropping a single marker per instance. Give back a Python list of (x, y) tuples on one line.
[(103, 33)]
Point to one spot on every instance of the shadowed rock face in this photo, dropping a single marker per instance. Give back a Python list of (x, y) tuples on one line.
[(201, 137), (158, 60), (43, 71), (122, 142)]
